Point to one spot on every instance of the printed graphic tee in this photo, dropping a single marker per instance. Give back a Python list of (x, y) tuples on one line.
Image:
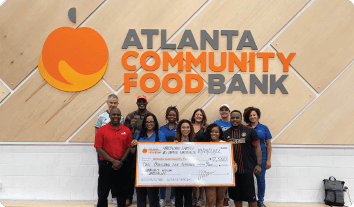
[(243, 139)]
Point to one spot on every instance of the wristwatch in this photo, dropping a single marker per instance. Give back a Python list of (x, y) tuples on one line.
[(121, 161), (259, 164)]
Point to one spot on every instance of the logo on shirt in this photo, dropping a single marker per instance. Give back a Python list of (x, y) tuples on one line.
[(224, 128), (123, 133), (243, 134), (238, 141), (259, 130)]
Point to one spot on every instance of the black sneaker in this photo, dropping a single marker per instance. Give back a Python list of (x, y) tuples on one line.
[(261, 204)]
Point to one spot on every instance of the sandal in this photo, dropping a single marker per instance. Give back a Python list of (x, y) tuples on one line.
[(199, 203), (194, 202)]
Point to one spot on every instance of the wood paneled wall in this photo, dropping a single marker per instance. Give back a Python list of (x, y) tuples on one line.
[(24, 26), (322, 36)]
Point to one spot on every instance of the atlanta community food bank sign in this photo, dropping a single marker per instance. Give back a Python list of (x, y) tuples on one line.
[(76, 59)]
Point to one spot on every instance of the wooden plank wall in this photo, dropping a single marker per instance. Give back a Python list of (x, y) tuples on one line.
[(329, 119), (39, 112), (24, 26), (3, 92), (322, 36), (157, 102), (287, 106), (256, 16), (116, 17), (323, 39)]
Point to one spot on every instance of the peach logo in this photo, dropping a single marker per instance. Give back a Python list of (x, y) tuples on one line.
[(73, 59), (144, 151)]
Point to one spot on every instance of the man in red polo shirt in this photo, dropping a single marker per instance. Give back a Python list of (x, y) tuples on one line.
[(112, 143)]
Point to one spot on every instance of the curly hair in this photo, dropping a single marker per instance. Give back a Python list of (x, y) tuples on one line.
[(208, 131), (172, 108), (204, 121), (179, 133), (247, 112)]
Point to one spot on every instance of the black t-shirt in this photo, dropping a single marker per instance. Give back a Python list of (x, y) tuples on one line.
[(200, 136), (243, 140)]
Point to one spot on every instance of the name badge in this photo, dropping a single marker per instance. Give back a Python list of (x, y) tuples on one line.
[(239, 141)]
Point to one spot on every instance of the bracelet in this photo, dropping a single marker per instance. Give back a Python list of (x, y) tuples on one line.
[(259, 164), (121, 161)]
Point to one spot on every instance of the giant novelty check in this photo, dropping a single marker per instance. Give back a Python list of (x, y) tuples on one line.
[(184, 164)]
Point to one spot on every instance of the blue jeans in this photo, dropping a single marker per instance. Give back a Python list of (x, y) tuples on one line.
[(163, 193), (261, 181)]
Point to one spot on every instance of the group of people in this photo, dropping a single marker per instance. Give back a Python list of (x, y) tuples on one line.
[(117, 137)]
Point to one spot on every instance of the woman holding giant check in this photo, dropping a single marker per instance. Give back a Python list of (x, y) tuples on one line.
[(199, 122), (184, 133), (215, 194), (149, 133)]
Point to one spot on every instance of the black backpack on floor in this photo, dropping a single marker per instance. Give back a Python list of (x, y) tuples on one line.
[(334, 192)]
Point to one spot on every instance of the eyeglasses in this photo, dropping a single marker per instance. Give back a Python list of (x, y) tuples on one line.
[(150, 122), (199, 115)]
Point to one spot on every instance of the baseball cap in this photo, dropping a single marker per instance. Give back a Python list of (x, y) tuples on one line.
[(225, 105), (141, 96)]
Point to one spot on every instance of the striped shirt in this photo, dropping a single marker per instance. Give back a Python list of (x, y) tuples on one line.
[(243, 139)]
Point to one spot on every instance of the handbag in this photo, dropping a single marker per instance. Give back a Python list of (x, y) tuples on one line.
[(334, 191)]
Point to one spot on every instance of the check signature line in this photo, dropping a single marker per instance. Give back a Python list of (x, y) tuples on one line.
[(202, 174)]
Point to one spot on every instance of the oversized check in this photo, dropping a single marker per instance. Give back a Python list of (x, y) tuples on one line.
[(184, 164)]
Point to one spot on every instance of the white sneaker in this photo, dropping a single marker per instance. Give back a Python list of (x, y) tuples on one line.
[(173, 202), (114, 201), (162, 203), (1, 205)]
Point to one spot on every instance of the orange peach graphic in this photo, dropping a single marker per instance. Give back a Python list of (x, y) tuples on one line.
[(73, 59), (144, 151)]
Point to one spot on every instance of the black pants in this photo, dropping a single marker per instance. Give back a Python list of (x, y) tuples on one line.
[(185, 192), (131, 175), (152, 192), (131, 183), (109, 177), (244, 189), (113, 189)]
